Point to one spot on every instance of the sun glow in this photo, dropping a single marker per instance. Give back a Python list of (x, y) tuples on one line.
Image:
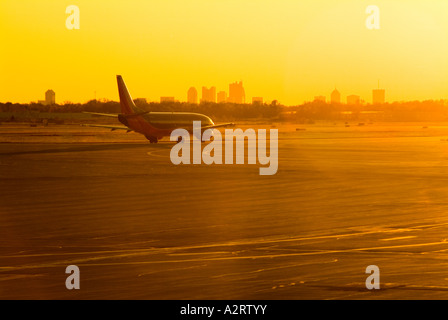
[(285, 50)]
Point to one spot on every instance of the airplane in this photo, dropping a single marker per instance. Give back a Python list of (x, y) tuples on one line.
[(153, 125)]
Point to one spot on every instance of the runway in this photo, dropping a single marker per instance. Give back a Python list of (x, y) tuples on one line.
[(139, 227)]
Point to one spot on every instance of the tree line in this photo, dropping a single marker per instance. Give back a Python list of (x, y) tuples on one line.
[(429, 110), (218, 111)]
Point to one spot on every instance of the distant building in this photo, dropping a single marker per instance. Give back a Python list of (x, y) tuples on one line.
[(257, 100), (50, 97), (221, 97), (353, 99), (236, 93), (140, 101), (335, 96), (378, 96), (320, 98), (166, 99), (208, 95), (192, 95)]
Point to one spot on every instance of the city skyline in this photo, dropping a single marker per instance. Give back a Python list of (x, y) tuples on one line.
[(210, 95)]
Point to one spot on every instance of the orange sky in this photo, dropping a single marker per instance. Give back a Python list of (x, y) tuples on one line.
[(285, 50)]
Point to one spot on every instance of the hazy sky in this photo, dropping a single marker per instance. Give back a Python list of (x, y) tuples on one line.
[(280, 49)]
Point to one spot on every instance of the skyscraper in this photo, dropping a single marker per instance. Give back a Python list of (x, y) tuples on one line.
[(378, 96), (192, 95), (335, 96), (236, 92), (50, 97), (208, 95), (222, 96)]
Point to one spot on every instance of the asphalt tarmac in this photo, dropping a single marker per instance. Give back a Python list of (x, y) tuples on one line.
[(139, 227)]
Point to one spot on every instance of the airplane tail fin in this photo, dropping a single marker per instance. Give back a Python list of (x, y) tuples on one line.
[(127, 104)]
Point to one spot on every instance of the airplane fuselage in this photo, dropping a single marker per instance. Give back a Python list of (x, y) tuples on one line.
[(153, 125), (159, 124)]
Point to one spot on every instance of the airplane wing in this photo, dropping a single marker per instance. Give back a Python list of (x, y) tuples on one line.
[(115, 115), (113, 128), (102, 114), (230, 124)]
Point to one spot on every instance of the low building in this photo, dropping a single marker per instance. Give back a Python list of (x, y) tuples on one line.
[(166, 99), (257, 100), (353, 99)]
